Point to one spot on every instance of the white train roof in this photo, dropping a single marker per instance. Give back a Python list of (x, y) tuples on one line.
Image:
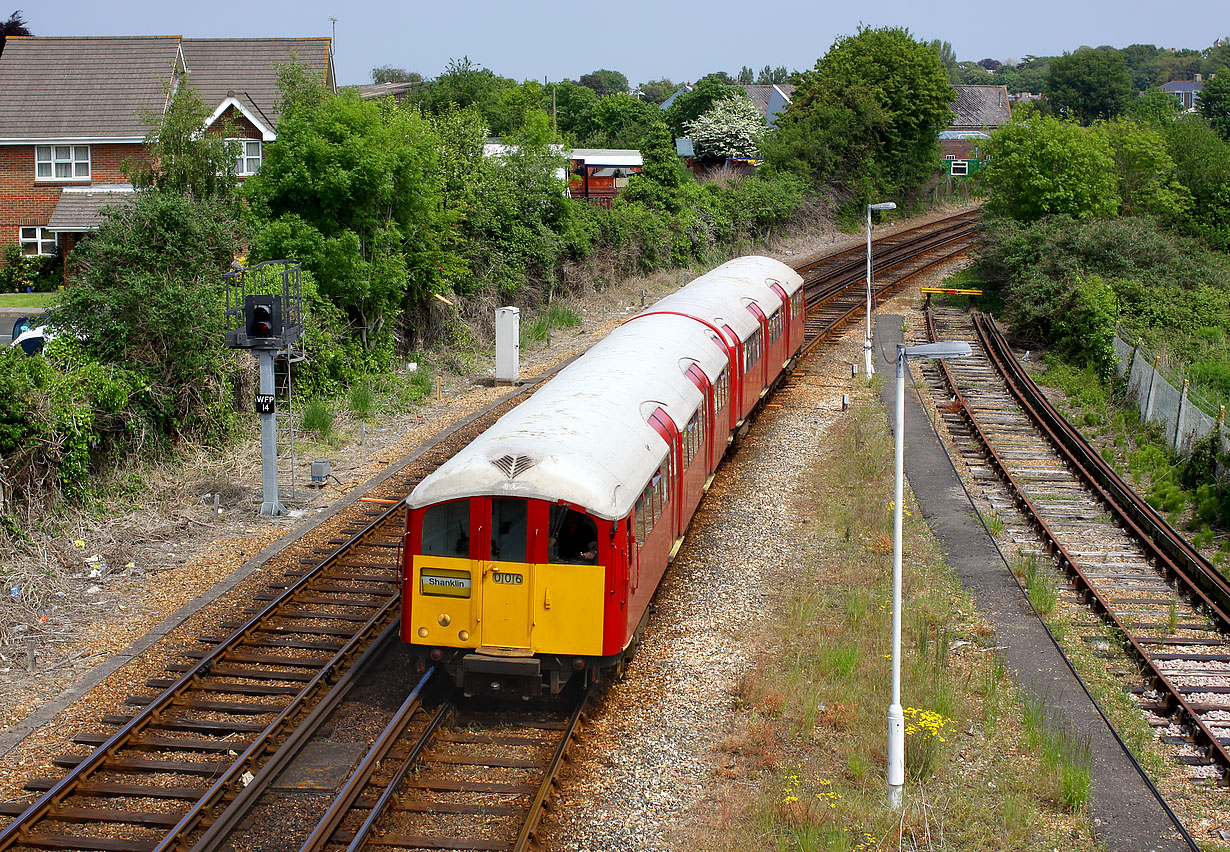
[(584, 437), (721, 296)]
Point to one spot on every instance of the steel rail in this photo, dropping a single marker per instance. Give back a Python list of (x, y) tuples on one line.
[(345, 799), (19, 829), (543, 796), (1172, 697)]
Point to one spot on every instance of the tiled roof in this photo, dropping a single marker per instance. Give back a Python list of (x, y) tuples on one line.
[(248, 67), (980, 106), (99, 87), (1183, 86), (80, 208), (79, 88), (761, 94)]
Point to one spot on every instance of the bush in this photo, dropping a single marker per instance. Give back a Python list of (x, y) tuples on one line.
[(40, 273)]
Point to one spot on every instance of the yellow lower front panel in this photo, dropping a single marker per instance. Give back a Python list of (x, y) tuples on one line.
[(539, 608)]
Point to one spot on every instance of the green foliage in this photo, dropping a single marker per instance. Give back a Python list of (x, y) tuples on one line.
[(362, 399), (621, 121), (692, 105), (1084, 327), (1042, 166), (1154, 106), (182, 158), (731, 128), (768, 75), (464, 84), (867, 117), (556, 315), (352, 190), (37, 272), (1088, 85), (659, 181), (390, 74), (1202, 165), (1144, 170), (318, 418), (1215, 103), (605, 82), (656, 91)]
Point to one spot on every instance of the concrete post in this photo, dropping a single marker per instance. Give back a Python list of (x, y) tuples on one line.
[(1148, 412), (1179, 417), (507, 346)]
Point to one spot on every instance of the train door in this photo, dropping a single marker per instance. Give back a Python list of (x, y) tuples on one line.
[(736, 377), (708, 413), (507, 582), (785, 318), (674, 439), (762, 368)]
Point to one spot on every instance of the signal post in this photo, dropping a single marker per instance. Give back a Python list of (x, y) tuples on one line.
[(265, 323)]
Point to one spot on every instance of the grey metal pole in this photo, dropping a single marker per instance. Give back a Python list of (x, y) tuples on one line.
[(896, 716), (868, 368), (269, 441)]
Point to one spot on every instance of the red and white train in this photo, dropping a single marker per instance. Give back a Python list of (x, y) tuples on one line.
[(532, 555)]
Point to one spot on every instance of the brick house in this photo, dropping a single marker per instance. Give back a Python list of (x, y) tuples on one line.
[(74, 110), (976, 112)]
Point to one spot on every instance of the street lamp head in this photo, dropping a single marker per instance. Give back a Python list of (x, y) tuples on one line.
[(883, 205), (943, 349)]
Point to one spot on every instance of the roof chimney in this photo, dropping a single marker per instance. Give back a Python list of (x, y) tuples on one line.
[(1199, 78)]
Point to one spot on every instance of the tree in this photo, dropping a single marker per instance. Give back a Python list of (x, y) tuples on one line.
[(1088, 85), (746, 76), (876, 102), (622, 121), (973, 74), (1044, 166), (1215, 103), (691, 105), (390, 74), (1154, 106), (1202, 164), (656, 91), (948, 58), (658, 183), (1144, 170), (990, 64), (732, 128), (768, 76), (353, 191), (464, 83), (14, 26), (605, 82), (183, 159), (574, 107)]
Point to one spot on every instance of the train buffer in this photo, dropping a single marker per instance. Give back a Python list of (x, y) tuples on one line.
[(949, 291)]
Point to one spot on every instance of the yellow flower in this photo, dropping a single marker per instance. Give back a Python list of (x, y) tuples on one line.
[(78, 543)]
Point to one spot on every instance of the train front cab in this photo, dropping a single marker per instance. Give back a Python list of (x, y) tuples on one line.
[(500, 591)]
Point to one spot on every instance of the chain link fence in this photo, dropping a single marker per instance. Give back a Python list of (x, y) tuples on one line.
[(1165, 398)]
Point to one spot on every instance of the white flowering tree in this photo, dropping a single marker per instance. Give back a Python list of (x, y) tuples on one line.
[(733, 127)]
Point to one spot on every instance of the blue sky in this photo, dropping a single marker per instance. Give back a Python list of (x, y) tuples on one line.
[(644, 40)]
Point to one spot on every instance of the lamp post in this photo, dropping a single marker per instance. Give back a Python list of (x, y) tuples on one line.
[(884, 205), (896, 716)]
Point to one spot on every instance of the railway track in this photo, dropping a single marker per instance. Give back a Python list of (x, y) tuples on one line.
[(1121, 558), (835, 284), (187, 767)]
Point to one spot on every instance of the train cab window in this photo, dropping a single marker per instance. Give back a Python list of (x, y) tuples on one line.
[(508, 529), (446, 529), (751, 351), (573, 537), (775, 326)]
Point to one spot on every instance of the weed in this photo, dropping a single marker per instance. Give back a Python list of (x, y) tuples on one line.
[(840, 661), (1172, 618), (995, 524), (1039, 584), (318, 418), (557, 315), (362, 400)]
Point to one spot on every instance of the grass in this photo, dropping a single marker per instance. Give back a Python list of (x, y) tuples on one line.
[(1039, 583), (556, 315), (810, 734), (28, 300), (318, 418), (362, 400)]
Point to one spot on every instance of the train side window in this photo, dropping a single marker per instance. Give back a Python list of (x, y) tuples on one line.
[(775, 326), (691, 439), (751, 351), (446, 529), (508, 529), (796, 302)]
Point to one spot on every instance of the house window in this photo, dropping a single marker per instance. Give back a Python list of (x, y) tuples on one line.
[(950, 156), (38, 241), (960, 167), (61, 162), (249, 160)]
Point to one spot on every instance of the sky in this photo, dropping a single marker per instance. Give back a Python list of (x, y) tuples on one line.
[(643, 39)]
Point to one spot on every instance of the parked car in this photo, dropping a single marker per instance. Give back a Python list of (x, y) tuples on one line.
[(32, 340)]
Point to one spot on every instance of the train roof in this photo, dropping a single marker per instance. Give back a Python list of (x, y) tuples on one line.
[(584, 437), (720, 296)]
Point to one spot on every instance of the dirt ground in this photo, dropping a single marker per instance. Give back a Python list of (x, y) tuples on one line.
[(106, 575)]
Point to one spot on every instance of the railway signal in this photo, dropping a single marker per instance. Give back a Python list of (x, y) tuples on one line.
[(263, 316)]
